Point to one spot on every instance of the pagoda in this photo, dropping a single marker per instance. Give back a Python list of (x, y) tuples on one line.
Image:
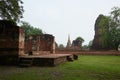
[(68, 42)]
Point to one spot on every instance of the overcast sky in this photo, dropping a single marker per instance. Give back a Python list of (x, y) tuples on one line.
[(66, 17)]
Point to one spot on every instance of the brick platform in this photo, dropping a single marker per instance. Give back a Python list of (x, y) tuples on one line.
[(44, 60)]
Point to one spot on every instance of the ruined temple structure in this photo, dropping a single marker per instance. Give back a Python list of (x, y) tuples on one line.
[(97, 38), (11, 42), (69, 42), (34, 50), (40, 44), (76, 44), (40, 51)]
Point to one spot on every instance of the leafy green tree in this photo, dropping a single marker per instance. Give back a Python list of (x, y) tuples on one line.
[(110, 29), (105, 36), (90, 43), (11, 9), (61, 46), (30, 30), (115, 26), (80, 39)]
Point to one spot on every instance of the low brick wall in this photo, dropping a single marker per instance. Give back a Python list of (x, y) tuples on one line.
[(44, 60), (11, 42), (89, 52), (49, 61)]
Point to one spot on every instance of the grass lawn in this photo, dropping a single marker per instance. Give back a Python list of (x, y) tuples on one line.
[(86, 68)]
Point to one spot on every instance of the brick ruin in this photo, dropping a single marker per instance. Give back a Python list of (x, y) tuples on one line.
[(76, 44), (11, 42), (68, 42), (97, 38), (40, 44), (70, 47), (32, 50)]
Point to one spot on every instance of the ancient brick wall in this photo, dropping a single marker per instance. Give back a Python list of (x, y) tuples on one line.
[(47, 43), (40, 43), (9, 38), (11, 41), (21, 41)]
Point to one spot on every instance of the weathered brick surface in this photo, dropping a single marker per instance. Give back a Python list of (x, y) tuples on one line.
[(97, 41), (40, 43), (46, 60), (11, 40)]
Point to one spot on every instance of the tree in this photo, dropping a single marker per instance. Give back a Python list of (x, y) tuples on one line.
[(110, 29), (11, 9), (30, 30), (105, 33), (115, 26), (90, 43), (80, 39), (61, 46)]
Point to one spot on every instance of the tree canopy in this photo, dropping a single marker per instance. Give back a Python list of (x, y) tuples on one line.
[(115, 26), (61, 46), (105, 33), (11, 9), (80, 39), (30, 30)]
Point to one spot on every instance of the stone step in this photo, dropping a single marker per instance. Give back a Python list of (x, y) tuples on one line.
[(25, 62), (70, 58)]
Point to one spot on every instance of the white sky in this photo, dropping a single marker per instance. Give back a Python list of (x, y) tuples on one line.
[(63, 17)]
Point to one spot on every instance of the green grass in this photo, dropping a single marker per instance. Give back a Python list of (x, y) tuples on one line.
[(86, 68)]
